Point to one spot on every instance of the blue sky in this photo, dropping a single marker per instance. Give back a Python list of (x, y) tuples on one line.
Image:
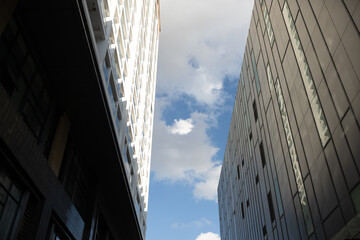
[(200, 54)]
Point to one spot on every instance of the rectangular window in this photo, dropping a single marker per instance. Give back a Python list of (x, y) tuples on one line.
[(22, 80), (267, 21), (75, 177), (264, 230), (262, 154), (56, 232), (238, 171), (255, 71), (271, 207), (242, 210), (10, 201), (257, 179), (128, 158), (255, 111)]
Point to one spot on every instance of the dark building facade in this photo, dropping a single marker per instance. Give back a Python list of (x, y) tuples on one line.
[(292, 159), (61, 170)]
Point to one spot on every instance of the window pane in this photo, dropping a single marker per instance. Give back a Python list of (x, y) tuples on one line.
[(7, 218)]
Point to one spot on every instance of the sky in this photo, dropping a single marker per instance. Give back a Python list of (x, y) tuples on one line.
[(200, 54)]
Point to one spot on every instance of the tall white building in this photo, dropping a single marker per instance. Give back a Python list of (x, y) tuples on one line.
[(126, 36)]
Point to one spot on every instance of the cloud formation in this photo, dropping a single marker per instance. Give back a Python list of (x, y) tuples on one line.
[(194, 224), (181, 127), (208, 236), (207, 187), (182, 157), (201, 45), (201, 42)]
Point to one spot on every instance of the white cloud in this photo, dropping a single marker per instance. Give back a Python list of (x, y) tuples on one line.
[(201, 42), (194, 224), (208, 236), (207, 188), (182, 157), (181, 127)]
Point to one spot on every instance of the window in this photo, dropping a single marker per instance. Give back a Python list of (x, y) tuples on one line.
[(242, 210), (247, 203), (56, 232), (267, 21), (128, 156), (242, 162), (22, 80), (75, 178), (238, 171), (257, 179), (262, 154), (271, 207), (255, 71), (10, 201), (255, 111), (264, 230)]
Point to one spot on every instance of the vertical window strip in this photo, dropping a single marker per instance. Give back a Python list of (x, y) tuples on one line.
[(267, 21), (294, 158), (255, 71), (246, 108), (269, 76), (308, 81)]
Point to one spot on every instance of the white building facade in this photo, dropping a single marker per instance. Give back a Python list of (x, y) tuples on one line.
[(126, 36)]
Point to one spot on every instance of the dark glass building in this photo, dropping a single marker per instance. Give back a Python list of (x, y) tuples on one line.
[(62, 172), (292, 159)]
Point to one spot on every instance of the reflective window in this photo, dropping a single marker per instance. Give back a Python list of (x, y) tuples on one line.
[(267, 21), (307, 77), (293, 157), (269, 76)]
